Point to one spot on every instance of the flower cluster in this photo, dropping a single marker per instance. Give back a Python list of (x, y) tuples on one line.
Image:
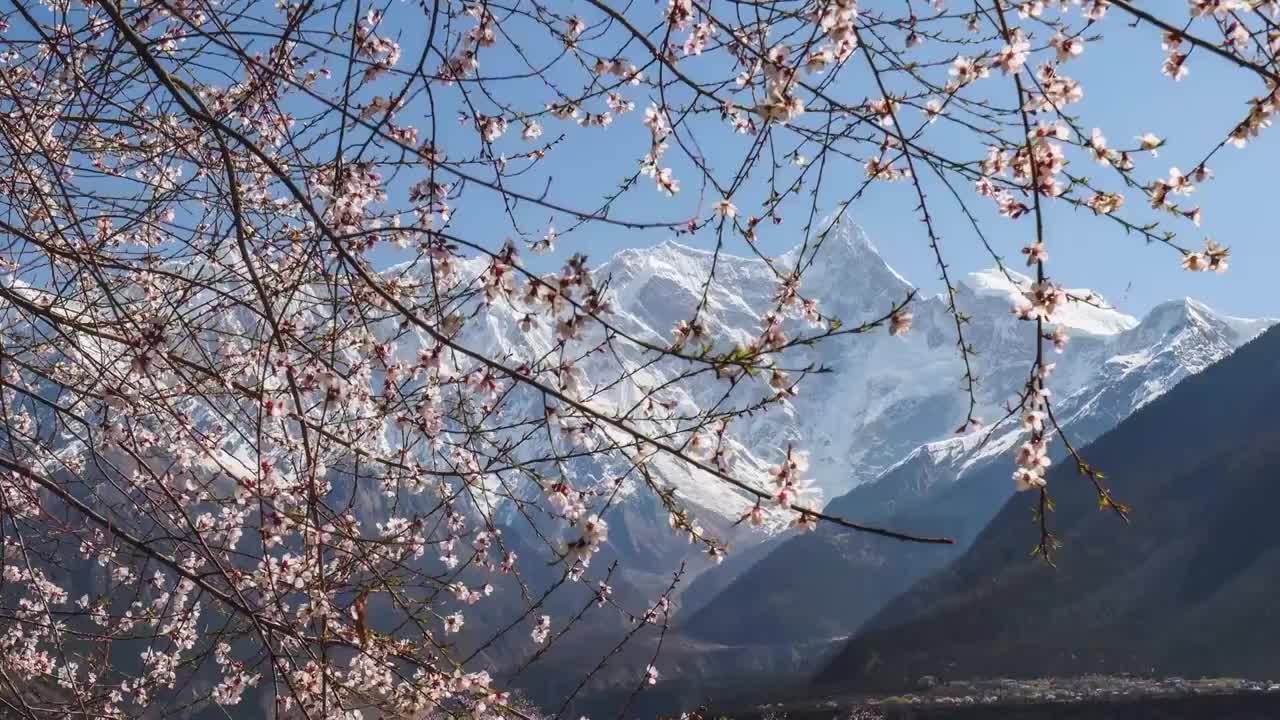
[(791, 488), (1033, 455), (1213, 257)]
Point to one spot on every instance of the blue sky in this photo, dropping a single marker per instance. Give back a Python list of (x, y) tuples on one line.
[(1125, 94)]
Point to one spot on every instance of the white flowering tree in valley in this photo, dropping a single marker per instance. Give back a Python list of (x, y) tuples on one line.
[(254, 450)]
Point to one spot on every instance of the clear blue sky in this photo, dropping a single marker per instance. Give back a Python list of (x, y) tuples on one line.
[(1125, 94)]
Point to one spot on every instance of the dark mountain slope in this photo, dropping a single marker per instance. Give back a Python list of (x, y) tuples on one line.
[(828, 583), (1189, 587)]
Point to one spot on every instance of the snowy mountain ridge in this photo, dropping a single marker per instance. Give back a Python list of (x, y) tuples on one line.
[(890, 399), (1176, 339), (886, 400)]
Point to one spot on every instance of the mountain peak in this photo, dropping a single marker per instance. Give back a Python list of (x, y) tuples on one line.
[(997, 282), (1180, 306), (848, 236), (839, 241), (845, 269), (669, 248), (671, 245), (1181, 314), (1094, 317), (1177, 314)]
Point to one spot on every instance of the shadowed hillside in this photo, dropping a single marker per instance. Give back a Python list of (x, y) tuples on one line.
[(1187, 588)]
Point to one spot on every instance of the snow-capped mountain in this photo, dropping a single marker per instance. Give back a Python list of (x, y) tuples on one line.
[(887, 403), (880, 432), (889, 406), (1107, 377), (954, 486), (889, 397)]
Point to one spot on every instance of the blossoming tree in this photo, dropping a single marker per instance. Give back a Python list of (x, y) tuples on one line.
[(245, 246)]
